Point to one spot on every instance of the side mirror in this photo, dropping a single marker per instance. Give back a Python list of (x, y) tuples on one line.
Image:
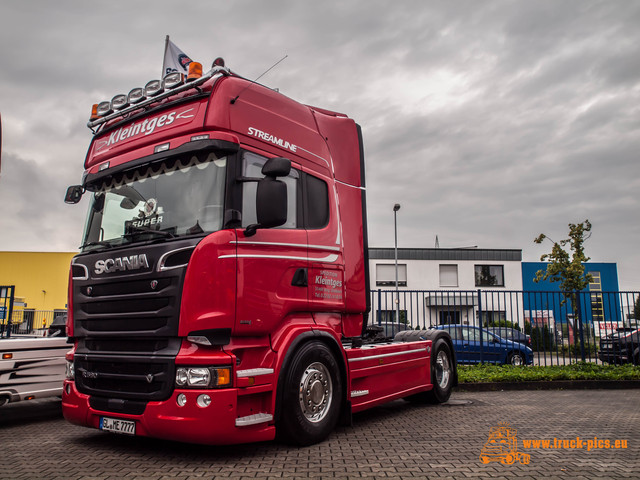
[(74, 194), (271, 196), (271, 203)]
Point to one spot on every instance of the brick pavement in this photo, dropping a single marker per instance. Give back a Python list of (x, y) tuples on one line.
[(398, 440)]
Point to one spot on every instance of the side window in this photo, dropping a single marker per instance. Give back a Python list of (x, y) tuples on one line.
[(252, 167), (317, 202)]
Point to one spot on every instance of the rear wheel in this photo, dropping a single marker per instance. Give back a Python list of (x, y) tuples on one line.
[(442, 372), (442, 375), (312, 395)]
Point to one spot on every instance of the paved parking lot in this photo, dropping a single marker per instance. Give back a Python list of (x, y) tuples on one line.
[(398, 440)]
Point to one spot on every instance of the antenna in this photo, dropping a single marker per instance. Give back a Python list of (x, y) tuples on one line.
[(233, 100)]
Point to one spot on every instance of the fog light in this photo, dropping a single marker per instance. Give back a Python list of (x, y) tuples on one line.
[(181, 400), (153, 88), (104, 108), (203, 400)]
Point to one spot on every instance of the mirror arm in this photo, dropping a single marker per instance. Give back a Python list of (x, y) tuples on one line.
[(250, 231)]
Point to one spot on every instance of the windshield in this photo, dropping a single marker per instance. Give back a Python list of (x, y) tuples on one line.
[(176, 197)]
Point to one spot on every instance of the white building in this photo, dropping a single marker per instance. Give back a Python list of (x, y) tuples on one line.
[(446, 285)]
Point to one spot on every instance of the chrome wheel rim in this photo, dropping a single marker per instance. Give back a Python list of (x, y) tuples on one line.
[(443, 369), (516, 360), (316, 392)]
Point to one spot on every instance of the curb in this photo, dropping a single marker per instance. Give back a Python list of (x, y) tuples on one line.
[(549, 385)]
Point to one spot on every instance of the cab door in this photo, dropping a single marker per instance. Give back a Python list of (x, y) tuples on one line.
[(273, 262)]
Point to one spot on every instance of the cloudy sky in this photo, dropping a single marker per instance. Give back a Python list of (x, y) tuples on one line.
[(488, 121)]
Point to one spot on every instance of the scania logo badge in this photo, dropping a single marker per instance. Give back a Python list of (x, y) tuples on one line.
[(89, 290), (121, 264), (154, 284), (149, 378)]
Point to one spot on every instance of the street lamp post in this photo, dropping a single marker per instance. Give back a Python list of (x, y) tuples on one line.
[(396, 207)]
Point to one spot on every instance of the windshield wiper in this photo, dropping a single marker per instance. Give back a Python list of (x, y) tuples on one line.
[(101, 243)]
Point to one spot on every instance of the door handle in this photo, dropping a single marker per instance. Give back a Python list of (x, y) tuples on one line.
[(300, 278)]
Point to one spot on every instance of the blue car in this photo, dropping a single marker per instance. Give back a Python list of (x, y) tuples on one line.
[(467, 345)]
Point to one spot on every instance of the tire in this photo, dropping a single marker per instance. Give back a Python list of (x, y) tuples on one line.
[(312, 396), (442, 372), (516, 359)]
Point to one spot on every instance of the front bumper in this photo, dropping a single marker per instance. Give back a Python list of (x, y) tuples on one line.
[(211, 425)]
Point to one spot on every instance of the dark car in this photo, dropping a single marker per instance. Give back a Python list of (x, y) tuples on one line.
[(473, 345), (511, 334), (621, 346), (58, 327)]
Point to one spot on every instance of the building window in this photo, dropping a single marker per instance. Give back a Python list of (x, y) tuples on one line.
[(448, 275), (386, 316), (386, 275), (493, 318), (489, 276)]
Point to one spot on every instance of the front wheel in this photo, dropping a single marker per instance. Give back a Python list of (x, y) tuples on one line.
[(312, 395), (516, 358)]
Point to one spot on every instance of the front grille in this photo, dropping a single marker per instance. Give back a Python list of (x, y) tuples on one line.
[(137, 378), (126, 327)]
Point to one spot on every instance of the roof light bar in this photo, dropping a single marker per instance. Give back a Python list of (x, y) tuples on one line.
[(153, 91)]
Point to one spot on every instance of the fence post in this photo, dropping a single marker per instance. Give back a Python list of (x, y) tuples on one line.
[(580, 331), (480, 321), (379, 306)]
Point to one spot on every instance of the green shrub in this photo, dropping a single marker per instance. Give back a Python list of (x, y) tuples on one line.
[(575, 371)]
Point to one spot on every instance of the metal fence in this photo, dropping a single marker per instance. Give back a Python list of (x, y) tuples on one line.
[(563, 328)]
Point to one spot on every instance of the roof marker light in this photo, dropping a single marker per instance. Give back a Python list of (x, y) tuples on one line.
[(195, 71), (94, 112), (153, 88), (161, 148), (173, 80), (119, 102), (104, 108), (204, 136), (136, 95)]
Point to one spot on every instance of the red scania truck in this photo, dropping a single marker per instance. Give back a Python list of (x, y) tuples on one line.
[(222, 290)]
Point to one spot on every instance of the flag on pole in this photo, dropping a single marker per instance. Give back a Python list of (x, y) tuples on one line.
[(175, 60)]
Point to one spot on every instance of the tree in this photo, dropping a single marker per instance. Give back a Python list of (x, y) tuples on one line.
[(563, 267), (636, 308), (568, 269)]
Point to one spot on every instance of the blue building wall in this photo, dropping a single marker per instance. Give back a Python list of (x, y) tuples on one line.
[(545, 295)]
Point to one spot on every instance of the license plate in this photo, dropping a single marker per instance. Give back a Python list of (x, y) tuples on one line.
[(116, 425)]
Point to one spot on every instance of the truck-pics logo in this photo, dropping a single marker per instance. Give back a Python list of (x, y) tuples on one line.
[(110, 265), (502, 446), (145, 127), (267, 137)]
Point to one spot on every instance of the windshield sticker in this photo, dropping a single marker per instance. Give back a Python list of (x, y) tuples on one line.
[(150, 207)]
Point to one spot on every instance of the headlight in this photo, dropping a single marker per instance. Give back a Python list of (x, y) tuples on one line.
[(203, 377), (70, 371)]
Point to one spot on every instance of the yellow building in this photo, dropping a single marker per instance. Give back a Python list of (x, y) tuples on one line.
[(40, 278)]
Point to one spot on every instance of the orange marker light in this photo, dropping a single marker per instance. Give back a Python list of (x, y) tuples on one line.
[(224, 377), (195, 71), (94, 112)]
